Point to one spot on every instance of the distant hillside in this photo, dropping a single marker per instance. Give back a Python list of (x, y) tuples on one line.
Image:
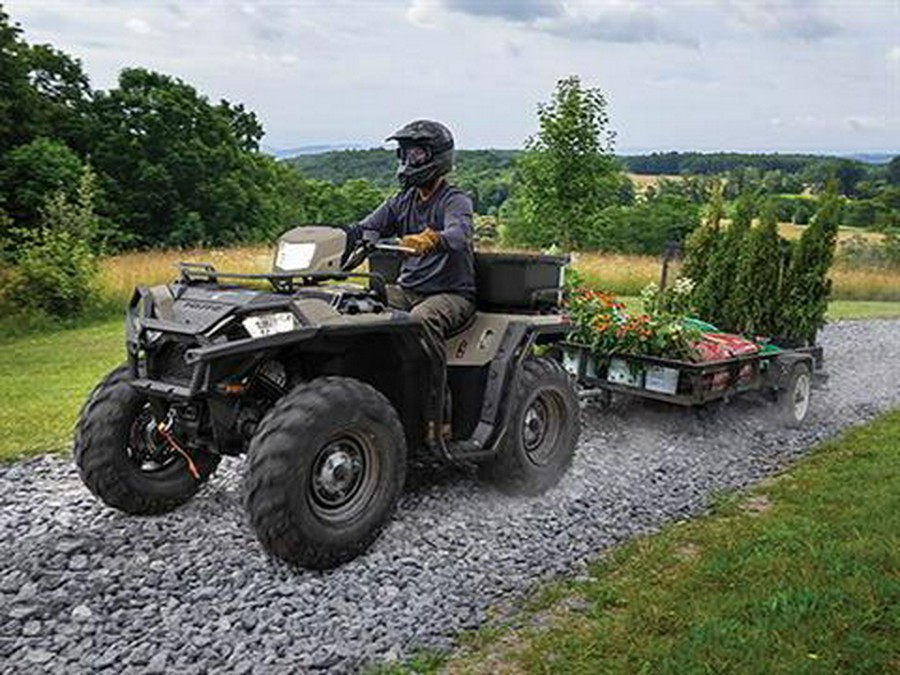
[(378, 165), (721, 162), (873, 157), (279, 153)]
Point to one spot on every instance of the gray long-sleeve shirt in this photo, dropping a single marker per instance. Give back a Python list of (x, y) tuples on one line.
[(448, 211)]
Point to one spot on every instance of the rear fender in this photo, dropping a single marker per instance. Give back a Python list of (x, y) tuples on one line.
[(499, 343)]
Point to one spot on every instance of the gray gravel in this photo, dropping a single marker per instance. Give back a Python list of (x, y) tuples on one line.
[(84, 588)]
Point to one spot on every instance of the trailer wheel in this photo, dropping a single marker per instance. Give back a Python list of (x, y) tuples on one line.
[(543, 429), (793, 398), (121, 457), (326, 469)]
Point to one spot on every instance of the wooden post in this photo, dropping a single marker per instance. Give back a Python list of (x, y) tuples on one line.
[(670, 252)]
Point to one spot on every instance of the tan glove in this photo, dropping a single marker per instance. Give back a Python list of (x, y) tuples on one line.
[(424, 242)]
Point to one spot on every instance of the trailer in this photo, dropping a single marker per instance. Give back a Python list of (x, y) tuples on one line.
[(786, 374)]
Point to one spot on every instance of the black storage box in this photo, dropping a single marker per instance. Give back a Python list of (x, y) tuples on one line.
[(519, 281), (505, 281)]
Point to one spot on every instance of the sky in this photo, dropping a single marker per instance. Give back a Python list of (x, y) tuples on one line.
[(741, 75)]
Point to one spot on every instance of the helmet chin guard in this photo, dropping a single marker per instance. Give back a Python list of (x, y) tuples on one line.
[(425, 152)]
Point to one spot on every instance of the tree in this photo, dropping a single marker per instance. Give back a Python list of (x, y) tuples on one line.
[(55, 271), (32, 173), (755, 293), (848, 173), (807, 286), (702, 242), (893, 171), (43, 92), (714, 298), (645, 227), (567, 174), (177, 169)]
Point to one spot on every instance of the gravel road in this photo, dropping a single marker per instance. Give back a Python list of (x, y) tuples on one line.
[(83, 588)]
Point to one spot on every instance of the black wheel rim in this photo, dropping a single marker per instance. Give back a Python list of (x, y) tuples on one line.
[(146, 449), (344, 477), (542, 424)]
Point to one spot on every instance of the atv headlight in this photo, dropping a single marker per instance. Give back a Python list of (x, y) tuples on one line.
[(261, 325), (293, 257)]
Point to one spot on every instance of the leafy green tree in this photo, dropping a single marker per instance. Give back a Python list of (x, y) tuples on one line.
[(806, 285), (568, 173), (177, 168), (32, 173), (702, 242), (55, 271), (734, 242), (43, 92), (15, 88), (645, 227), (714, 291), (893, 171), (848, 173), (755, 293)]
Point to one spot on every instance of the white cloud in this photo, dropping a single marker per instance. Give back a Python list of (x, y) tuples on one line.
[(424, 13), (618, 21), (139, 26), (893, 53), (796, 19)]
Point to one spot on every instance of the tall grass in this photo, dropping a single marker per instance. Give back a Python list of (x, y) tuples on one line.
[(120, 274), (621, 274), (855, 284), (792, 231), (628, 274), (617, 273)]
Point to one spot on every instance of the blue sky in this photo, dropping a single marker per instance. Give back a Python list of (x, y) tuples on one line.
[(746, 75)]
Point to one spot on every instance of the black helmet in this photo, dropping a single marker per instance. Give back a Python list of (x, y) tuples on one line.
[(425, 152)]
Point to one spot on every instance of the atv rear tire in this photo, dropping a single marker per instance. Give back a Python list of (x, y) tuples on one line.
[(542, 433), (326, 469), (112, 424)]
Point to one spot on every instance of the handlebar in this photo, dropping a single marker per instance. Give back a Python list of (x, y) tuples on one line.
[(364, 248), (396, 248)]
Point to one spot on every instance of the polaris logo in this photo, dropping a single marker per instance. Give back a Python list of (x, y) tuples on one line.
[(201, 306)]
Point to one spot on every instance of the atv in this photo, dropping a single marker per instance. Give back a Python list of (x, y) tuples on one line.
[(329, 392)]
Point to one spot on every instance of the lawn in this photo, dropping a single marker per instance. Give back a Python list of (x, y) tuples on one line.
[(46, 377), (800, 574)]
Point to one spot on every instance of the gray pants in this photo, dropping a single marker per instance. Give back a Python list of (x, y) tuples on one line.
[(442, 313)]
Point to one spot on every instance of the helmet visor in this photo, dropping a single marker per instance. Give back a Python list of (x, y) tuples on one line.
[(414, 155)]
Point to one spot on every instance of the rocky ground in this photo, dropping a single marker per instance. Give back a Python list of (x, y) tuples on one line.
[(84, 588)]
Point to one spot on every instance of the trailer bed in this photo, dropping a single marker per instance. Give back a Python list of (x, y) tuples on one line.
[(687, 383)]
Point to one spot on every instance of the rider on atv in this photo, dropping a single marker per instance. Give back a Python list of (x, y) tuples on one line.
[(434, 219)]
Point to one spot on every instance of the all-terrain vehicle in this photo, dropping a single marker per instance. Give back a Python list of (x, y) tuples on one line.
[(329, 391)]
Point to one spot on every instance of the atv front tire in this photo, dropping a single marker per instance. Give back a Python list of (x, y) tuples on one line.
[(542, 433), (326, 469), (110, 447)]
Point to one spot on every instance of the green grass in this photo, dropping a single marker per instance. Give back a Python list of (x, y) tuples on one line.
[(801, 574), (862, 309), (45, 379)]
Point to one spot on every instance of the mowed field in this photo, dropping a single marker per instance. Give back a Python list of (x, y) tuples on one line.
[(620, 274)]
